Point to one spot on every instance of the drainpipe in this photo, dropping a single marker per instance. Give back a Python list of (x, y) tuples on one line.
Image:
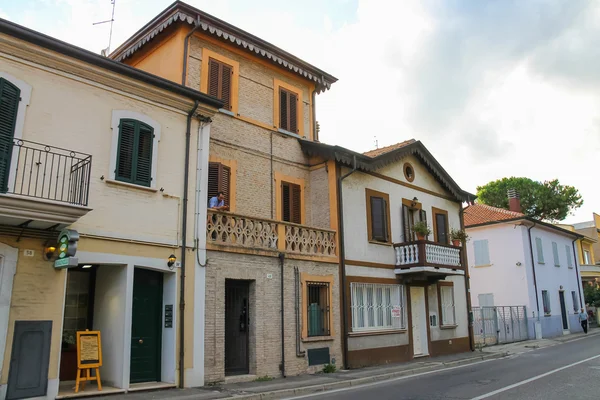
[(463, 256), (577, 272), (538, 327), (299, 352), (185, 50), (314, 115), (340, 204), (186, 179), (281, 260)]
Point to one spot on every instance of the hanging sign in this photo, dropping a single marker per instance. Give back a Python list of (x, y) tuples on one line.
[(67, 247)]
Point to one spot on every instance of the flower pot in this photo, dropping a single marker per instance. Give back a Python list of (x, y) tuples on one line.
[(456, 242), (420, 237)]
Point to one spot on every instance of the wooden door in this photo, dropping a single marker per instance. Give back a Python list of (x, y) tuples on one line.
[(419, 321), (237, 319)]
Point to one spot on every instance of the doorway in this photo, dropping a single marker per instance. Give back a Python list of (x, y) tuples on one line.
[(563, 311), (237, 319), (146, 326), (419, 321)]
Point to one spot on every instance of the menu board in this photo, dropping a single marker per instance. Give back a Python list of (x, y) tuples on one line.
[(89, 349)]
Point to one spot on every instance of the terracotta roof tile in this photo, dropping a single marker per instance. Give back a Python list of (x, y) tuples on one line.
[(482, 213), (377, 152)]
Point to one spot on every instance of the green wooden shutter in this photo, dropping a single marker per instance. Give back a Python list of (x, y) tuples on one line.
[(143, 159), (9, 106), (124, 168), (134, 153)]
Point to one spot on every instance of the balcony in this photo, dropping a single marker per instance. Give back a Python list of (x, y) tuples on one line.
[(428, 258), (265, 236), (46, 187)]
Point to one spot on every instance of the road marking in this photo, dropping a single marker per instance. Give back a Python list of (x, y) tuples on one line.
[(535, 378), (328, 392)]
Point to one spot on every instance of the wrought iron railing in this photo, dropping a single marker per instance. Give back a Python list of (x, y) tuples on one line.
[(426, 253), (224, 228), (47, 172)]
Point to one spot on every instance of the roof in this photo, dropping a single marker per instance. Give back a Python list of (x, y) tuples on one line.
[(39, 39), (584, 225), (180, 12), (477, 214), (369, 163), (387, 149)]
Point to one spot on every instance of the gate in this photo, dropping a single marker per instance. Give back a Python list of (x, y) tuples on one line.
[(498, 325)]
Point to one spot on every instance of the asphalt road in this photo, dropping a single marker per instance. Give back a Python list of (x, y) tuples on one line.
[(566, 371)]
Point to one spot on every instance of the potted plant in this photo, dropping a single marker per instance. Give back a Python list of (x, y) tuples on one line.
[(421, 229), (458, 236)]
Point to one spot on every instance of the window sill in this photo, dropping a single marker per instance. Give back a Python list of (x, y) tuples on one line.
[(482, 266), (448, 326), (224, 111), (131, 185), (377, 333), (318, 339), (288, 133), (541, 263), (571, 267), (547, 315), (380, 243), (557, 266)]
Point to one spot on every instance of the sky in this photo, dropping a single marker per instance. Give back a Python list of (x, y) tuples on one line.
[(492, 88)]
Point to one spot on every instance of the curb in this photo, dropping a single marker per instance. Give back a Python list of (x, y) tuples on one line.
[(306, 390)]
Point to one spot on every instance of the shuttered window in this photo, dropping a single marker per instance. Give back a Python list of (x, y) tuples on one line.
[(9, 105), (291, 202), (540, 250), (379, 231), (219, 178), (546, 302), (408, 221), (441, 226), (219, 81), (555, 254), (482, 252), (134, 153), (288, 111), (447, 311), (569, 256)]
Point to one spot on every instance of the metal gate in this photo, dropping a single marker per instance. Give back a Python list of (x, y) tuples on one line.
[(501, 324)]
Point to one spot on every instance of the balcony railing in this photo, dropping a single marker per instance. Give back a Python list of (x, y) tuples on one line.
[(48, 172), (229, 229), (423, 253)]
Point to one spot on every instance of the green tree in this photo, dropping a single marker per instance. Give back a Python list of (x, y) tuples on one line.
[(591, 294), (547, 200)]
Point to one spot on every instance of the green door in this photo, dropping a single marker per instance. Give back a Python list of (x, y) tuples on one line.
[(146, 326)]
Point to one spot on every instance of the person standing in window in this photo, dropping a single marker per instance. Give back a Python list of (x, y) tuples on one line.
[(583, 319), (218, 202)]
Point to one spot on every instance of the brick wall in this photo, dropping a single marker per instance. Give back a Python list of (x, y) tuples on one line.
[(265, 313)]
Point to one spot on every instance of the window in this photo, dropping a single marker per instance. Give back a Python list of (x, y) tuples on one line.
[(134, 152), (540, 250), (409, 172), (378, 216), (288, 111), (219, 81), (546, 302), (411, 212), (377, 306), (318, 308), (446, 303), (440, 226), (482, 253), (291, 202), (78, 303), (574, 297), (9, 107), (219, 180), (569, 256), (587, 259), (555, 254)]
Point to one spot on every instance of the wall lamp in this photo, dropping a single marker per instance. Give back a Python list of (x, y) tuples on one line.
[(49, 252), (171, 261), (414, 202)]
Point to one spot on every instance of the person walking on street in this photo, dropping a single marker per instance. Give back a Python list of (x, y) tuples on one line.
[(583, 319)]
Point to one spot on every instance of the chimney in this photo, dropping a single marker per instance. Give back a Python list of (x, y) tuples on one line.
[(514, 203)]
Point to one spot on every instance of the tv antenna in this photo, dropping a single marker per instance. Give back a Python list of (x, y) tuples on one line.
[(376, 142), (106, 52)]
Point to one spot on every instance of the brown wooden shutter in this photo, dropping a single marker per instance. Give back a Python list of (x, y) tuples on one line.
[(293, 108), (226, 72), (406, 224), (291, 210), (296, 211), (224, 182), (378, 219), (213, 77), (286, 202), (219, 180), (283, 110), (213, 179)]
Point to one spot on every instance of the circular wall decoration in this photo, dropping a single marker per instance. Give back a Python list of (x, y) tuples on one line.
[(409, 172)]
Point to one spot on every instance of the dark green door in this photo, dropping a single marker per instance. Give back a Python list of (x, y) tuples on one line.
[(146, 326), (9, 104)]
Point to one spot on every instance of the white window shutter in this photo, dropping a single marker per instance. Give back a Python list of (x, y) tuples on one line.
[(482, 253), (569, 256), (555, 254), (540, 250)]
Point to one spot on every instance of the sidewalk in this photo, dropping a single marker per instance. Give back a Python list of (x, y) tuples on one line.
[(306, 384)]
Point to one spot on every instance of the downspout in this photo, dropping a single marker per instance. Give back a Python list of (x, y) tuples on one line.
[(314, 115), (467, 282), (537, 301), (272, 178), (577, 271), (185, 50), (184, 242), (281, 260), (340, 204), (299, 352)]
